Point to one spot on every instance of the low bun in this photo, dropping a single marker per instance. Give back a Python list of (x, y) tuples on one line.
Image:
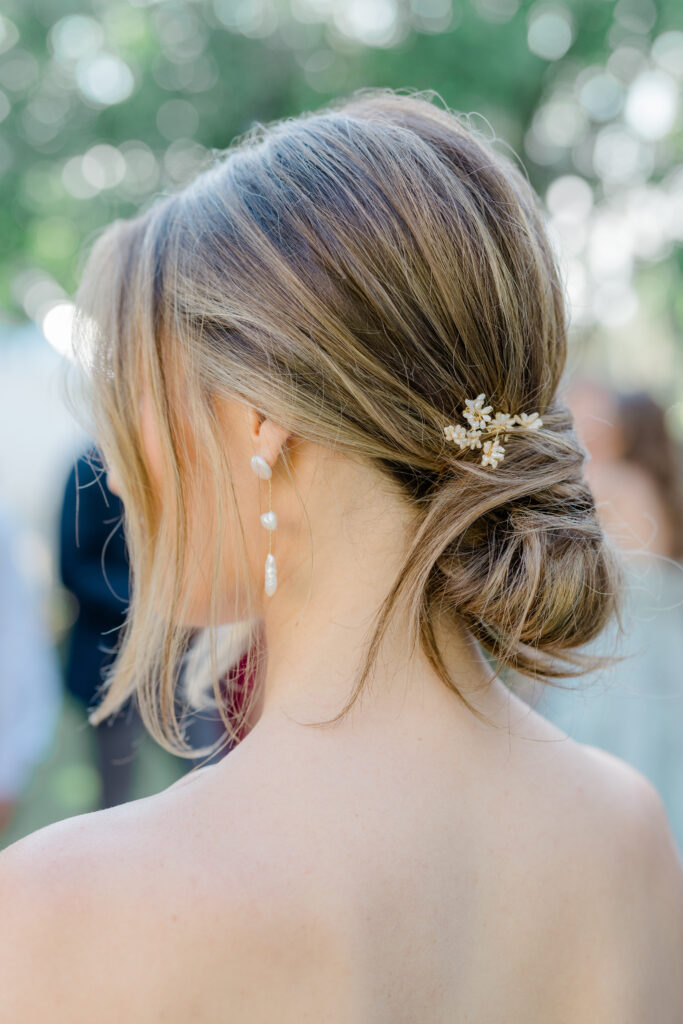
[(528, 569)]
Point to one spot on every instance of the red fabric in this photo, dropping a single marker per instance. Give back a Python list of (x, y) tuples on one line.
[(240, 686)]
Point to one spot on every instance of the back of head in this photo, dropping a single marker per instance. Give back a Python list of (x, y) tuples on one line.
[(357, 274)]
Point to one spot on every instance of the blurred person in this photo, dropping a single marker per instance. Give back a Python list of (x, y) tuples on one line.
[(30, 682), (649, 448), (634, 468), (635, 708), (95, 569), (354, 319)]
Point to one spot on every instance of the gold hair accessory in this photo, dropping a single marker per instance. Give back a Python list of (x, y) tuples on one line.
[(481, 422)]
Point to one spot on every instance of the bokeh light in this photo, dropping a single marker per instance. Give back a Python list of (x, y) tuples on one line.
[(652, 104), (550, 31), (103, 108), (104, 79), (56, 326)]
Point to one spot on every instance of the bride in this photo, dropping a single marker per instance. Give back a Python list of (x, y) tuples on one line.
[(326, 381)]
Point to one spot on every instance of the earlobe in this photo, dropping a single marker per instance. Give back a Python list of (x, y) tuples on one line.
[(270, 439)]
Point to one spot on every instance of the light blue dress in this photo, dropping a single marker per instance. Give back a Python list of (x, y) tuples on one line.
[(634, 709), (30, 682)]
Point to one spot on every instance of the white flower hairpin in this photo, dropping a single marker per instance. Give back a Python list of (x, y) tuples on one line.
[(481, 422)]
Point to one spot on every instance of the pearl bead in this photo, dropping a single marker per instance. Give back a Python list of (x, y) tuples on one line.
[(261, 467), (271, 575), (269, 520)]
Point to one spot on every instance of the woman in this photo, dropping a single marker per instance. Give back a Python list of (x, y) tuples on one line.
[(352, 326), (634, 470)]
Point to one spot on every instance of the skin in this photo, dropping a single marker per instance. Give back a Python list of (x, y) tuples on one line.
[(408, 864)]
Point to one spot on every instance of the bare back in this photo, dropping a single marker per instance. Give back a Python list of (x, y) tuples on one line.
[(310, 877)]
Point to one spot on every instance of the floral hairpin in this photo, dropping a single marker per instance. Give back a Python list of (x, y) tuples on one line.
[(481, 422)]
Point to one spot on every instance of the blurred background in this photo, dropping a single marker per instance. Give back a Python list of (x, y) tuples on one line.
[(105, 104)]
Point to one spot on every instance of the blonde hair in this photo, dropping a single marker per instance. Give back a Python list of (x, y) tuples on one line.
[(354, 274)]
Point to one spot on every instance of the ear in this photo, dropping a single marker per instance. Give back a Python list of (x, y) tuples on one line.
[(266, 435)]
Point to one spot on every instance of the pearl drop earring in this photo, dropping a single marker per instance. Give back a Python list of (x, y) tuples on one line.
[(268, 520)]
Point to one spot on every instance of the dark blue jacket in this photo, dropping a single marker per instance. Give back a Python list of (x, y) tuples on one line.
[(94, 567)]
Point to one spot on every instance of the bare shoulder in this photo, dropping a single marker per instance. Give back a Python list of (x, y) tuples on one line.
[(62, 892), (602, 795), (85, 903), (641, 833), (611, 809), (597, 841), (631, 892), (134, 913), (628, 815)]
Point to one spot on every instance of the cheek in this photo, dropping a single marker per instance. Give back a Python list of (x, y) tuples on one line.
[(113, 483), (203, 529), (150, 438), (197, 588)]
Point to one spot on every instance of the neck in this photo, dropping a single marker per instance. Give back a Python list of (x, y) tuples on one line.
[(320, 620)]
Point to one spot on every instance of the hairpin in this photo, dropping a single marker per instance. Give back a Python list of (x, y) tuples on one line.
[(481, 421)]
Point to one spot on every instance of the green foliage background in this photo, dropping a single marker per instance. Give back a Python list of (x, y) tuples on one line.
[(237, 61)]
